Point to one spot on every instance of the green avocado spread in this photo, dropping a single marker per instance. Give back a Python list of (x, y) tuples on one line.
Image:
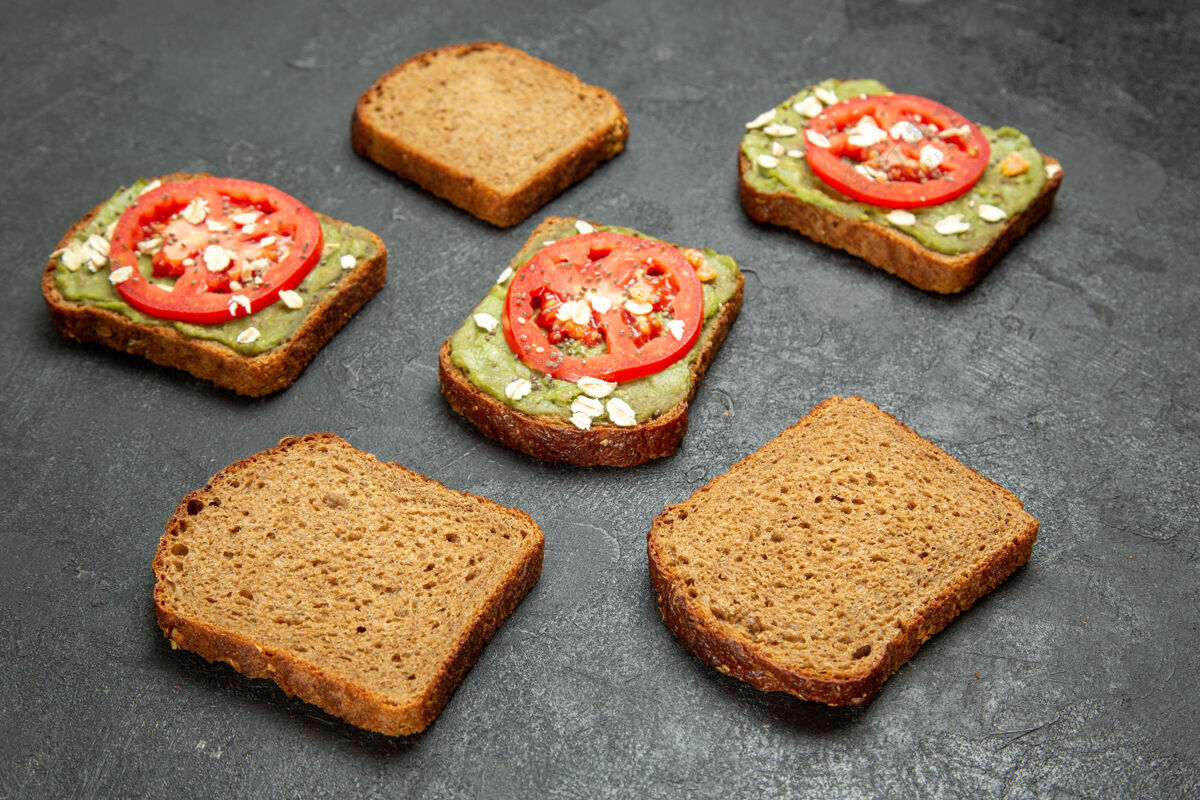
[(276, 323), (491, 365), (1010, 194)]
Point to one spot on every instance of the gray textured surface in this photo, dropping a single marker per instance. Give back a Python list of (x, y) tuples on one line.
[(1069, 375)]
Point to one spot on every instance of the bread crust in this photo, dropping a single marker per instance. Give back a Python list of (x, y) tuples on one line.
[(354, 703), (717, 644), (886, 248), (449, 182), (211, 361), (558, 440)]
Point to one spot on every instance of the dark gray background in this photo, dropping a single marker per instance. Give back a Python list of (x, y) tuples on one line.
[(1069, 376)]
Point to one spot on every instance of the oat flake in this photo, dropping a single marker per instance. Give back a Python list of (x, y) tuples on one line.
[(195, 211), (98, 243), (216, 258), (947, 226), (991, 213), (576, 311), (599, 302), (866, 132), (517, 388), (587, 405), (869, 172), (905, 131), (621, 413), (931, 157), (238, 300), (810, 106), (638, 309), (72, 257), (486, 321), (595, 387), (816, 139), (760, 120)]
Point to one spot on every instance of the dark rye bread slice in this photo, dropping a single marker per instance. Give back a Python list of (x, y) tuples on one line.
[(251, 375), (356, 585), (887, 248), (819, 564), (488, 127), (557, 440)]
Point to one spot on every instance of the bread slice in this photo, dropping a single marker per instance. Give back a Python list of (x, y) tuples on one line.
[(854, 231), (246, 374), (555, 438), (358, 586), (488, 127), (819, 564)]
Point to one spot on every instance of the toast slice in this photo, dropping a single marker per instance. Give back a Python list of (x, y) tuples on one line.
[(488, 127), (358, 586), (864, 231), (103, 318), (819, 564), (544, 429)]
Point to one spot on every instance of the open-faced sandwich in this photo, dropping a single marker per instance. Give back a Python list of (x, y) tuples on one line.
[(591, 344), (233, 281), (901, 181)]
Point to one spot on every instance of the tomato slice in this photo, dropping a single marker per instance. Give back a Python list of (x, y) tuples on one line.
[(603, 305), (896, 150), (231, 245)]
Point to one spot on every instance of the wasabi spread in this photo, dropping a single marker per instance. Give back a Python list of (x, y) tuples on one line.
[(776, 145), (480, 350), (84, 273)]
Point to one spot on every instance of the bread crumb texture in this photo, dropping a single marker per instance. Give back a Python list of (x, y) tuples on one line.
[(829, 555), (366, 575)]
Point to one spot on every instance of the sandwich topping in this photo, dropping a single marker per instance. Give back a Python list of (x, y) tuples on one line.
[(896, 150), (93, 267), (903, 162), (653, 300), (604, 306), (218, 248)]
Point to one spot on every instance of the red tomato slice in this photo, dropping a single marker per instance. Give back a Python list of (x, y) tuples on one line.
[(628, 293), (231, 245), (896, 150)]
